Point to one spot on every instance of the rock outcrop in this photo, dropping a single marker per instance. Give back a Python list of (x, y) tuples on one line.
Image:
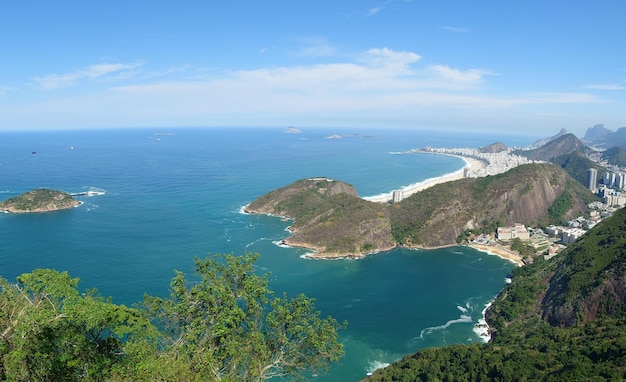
[(330, 218), (39, 200)]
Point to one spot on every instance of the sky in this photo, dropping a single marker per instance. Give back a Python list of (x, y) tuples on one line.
[(529, 67)]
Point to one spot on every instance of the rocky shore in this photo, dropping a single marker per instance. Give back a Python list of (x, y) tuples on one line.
[(39, 200)]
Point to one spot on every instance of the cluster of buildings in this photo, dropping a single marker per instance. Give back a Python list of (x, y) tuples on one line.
[(553, 239), (495, 163), (610, 191)]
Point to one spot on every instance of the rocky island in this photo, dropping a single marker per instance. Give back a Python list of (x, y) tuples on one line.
[(330, 218), (39, 200)]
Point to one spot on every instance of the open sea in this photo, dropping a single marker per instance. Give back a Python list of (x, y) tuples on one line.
[(162, 199)]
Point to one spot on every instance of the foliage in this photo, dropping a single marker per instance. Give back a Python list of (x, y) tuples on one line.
[(37, 199), (228, 326), (576, 164), (529, 345), (225, 326), (52, 332), (522, 248)]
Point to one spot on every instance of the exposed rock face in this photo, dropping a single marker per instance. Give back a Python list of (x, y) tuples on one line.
[(591, 281), (596, 132), (438, 215), (330, 218), (39, 200)]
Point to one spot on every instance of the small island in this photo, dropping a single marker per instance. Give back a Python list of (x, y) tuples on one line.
[(39, 200)]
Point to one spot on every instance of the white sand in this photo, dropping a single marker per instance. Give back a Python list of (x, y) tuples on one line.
[(471, 163)]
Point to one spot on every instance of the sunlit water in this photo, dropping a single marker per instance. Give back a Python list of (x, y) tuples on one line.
[(162, 199)]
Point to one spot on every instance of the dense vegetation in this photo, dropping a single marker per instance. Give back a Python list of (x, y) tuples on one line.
[(39, 200), (576, 164), (444, 213), (559, 320), (225, 324), (330, 218)]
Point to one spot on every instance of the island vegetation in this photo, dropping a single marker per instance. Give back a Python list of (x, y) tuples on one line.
[(329, 217), (562, 319), (39, 200), (224, 323)]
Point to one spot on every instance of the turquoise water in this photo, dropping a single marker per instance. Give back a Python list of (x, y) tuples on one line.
[(170, 198)]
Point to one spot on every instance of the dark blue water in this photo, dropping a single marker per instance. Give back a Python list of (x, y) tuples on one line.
[(170, 198)]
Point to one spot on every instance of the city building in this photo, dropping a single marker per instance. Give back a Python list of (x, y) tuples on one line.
[(397, 196), (592, 178), (510, 233)]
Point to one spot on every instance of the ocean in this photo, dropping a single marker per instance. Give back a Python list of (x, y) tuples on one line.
[(164, 196)]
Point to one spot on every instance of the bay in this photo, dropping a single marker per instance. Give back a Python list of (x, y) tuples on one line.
[(168, 198)]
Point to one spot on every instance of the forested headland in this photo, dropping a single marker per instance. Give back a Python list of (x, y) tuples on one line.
[(562, 319)]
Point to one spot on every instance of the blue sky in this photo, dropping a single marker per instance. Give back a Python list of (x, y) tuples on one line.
[(526, 66)]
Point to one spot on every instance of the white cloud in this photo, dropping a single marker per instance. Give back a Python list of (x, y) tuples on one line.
[(373, 11), (380, 83), (449, 28), (57, 81), (471, 76), (606, 87)]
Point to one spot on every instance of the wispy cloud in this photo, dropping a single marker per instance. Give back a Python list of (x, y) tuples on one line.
[(453, 29), (377, 84), (373, 11), (57, 81), (4, 90), (470, 77), (606, 87)]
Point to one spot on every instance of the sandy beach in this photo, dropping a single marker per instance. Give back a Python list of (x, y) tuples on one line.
[(499, 251), (471, 163)]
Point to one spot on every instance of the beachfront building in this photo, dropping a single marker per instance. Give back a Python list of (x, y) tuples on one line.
[(518, 231), (398, 195)]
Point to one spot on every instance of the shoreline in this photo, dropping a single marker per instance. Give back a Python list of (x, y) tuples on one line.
[(470, 163), (499, 251)]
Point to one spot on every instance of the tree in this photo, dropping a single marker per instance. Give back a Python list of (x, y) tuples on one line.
[(227, 325), (50, 331)]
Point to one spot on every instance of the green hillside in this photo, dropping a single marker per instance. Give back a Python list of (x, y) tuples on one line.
[(559, 320)]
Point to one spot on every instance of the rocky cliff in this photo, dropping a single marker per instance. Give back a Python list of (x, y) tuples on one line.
[(39, 200), (590, 282), (330, 218), (525, 194)]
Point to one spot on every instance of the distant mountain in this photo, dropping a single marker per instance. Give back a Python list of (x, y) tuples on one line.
[(615, 156), (605, 138), (493, 148), (562, 145), (543, 141), (596, 132)]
